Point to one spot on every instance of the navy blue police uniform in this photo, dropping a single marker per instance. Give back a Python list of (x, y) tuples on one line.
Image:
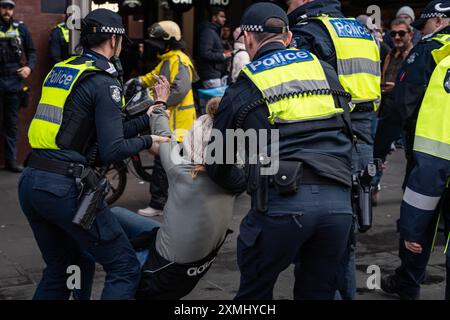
[(412, 83), (92, 119), (299, 228), (15, 47), (311, 34)]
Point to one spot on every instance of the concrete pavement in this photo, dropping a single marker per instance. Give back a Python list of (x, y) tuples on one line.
[(21, 263)]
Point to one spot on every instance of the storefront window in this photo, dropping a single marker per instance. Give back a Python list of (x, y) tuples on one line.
[(52, 6)]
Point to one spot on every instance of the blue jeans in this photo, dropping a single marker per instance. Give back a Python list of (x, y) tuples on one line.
[(10, 105), (49, 202), (361, 157), (134, 225), (302, 229)]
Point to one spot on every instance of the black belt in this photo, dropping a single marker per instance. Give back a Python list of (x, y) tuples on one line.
[(363, 108), (309, 176), (68, 169)]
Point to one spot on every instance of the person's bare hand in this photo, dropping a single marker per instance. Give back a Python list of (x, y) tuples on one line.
[(388, 87), (24, 72), (413, 247), (161, 90), (156, 144), (228, 54)]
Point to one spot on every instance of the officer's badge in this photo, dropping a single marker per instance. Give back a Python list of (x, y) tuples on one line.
[(447, 82), (116, 93), (412, 58)]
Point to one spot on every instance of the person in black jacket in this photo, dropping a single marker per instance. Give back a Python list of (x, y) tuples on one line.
[(212, 58)]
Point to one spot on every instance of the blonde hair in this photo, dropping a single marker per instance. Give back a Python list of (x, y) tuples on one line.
[(196, 140)]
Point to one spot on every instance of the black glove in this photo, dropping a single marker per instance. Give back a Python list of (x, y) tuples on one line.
[(133, 86)]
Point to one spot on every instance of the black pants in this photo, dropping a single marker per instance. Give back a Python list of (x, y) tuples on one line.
[(165, 280), (9, 106), (159, 186)]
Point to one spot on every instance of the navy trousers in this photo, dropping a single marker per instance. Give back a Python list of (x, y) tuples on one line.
[(302, 229), (49, 202)]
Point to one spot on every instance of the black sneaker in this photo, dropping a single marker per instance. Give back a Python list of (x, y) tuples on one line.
[(12, 166), (389, 285)]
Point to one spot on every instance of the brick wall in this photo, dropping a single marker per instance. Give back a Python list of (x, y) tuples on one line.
[(40, 25)]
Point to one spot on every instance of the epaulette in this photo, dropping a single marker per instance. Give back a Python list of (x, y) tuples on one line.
[(106, 66), (16, 24)]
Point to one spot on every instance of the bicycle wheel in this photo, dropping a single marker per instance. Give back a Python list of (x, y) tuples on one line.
[(117, 177), (143, 165)]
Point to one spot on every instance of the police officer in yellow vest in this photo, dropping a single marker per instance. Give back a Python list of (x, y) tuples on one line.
[(17, 59), (413, 79), (424, 194), (59, 43), (79, 121), (178, 68), (320, 26), (301, 213)]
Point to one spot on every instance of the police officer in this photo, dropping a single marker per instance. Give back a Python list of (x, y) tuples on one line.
[(178, 68), (80, 108), (414, 78), (320, 26), (412, 82), (17, 59), (292, 93), (59, 43), (426, 184)]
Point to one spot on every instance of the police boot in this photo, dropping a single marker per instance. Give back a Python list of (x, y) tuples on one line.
[(390, 285), (13, 166)]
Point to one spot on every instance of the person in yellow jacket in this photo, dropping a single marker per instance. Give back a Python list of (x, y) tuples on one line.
[(178, 68)]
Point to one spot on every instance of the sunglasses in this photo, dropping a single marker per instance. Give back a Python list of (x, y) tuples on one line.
[(400, 33)]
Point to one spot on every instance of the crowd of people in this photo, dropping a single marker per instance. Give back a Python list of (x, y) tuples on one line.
[(336, 108)]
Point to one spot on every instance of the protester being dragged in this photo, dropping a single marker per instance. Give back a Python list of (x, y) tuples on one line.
[(176, 254)]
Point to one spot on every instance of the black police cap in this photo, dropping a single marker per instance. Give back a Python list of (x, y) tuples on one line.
[(256, 16), (7, 3), (434, 9), (103, 21)]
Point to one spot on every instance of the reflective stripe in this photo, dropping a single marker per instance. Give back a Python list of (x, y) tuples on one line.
[(420, 201), (296, 86), (49, 113), (348, 67), (436, 230), (432, 147), (446, 247), (278, 120), (186, 107)]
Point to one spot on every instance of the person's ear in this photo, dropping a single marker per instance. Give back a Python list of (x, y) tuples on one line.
[(289, 39), (113, 42)]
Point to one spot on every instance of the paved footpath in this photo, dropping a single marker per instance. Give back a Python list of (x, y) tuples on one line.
[(21, 263)]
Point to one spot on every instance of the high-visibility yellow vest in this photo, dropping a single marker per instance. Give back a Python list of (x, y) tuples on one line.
[(294, 85), (358, 59), (433, 122), (12, 32), (65, 31), (439, 54), (57, 87), (183, 115)]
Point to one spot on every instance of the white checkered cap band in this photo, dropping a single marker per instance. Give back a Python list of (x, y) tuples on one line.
[(433, 15), (112, 30), (252, 28)]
